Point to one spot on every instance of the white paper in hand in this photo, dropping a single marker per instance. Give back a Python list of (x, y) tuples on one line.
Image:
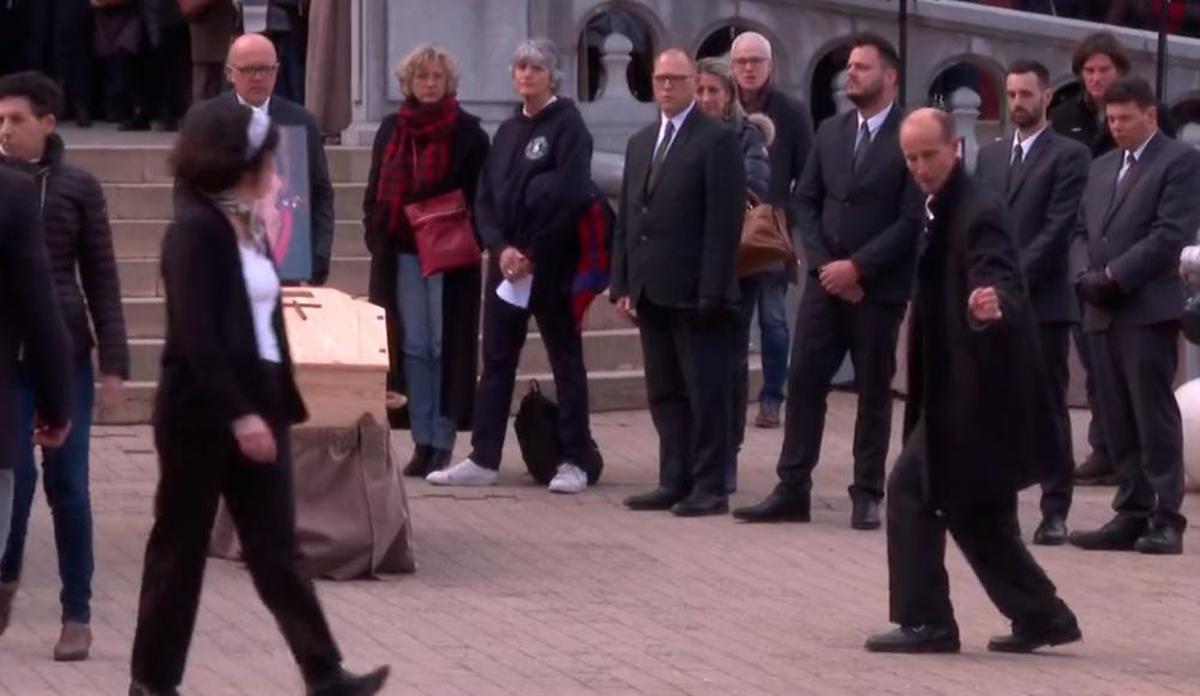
[(516, 292)]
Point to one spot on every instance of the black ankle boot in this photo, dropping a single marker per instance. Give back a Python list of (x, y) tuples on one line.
[(418, 466), (343, 683), (439, 458)]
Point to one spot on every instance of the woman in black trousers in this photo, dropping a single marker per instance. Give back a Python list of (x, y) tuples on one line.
[(225, 403)]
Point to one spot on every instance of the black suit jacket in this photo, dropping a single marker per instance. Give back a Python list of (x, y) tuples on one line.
[(870, 217), (288, 113), (676, 245), (30, 319), (212, 373), (1043, 206), (978, 398), (1137, 230)]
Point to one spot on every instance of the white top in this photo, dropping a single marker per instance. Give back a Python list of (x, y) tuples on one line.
[(265, 108), (677, 119), (262, 289), (874, 123), (525, 111), (1026, 144)]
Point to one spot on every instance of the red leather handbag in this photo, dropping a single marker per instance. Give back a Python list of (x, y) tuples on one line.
[(443, 232)]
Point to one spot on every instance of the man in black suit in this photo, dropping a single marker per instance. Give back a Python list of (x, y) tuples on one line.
[(1040, 175), (31, 329), (975, 430), (1139, 211), (674, 250), (858, 213), (252, 68)]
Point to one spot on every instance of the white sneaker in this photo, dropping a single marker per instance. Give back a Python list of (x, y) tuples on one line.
[(569, 479), (464, 473)]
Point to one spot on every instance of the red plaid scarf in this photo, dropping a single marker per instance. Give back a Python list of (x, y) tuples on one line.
[(416, 161)]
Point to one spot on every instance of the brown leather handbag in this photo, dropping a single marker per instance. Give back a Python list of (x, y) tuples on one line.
[(765, 238), (443, 232)]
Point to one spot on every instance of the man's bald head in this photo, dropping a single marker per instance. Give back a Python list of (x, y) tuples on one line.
[(252, 66), (930, 146), (752, 60), (751, 41), (674, 81)]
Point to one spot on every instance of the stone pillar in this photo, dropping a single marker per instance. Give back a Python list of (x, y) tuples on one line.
[(615, 114), (964, 108), (840, 101)]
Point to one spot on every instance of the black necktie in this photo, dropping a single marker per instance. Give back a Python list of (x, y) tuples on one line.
[(660, 153), (860, 148), (1130, 160), (1014, 168)]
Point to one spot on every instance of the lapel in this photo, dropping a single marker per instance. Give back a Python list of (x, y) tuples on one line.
[(1035, 154), (681, 139), (887, 129), (641, 150), (1131, 177), (846, 137)]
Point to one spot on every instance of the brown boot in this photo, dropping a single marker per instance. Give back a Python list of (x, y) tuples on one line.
[(74, 643), (8, 591)]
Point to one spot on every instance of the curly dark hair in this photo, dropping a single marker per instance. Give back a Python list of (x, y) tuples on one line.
[(212, 151), (42, 92), (1100, 42)]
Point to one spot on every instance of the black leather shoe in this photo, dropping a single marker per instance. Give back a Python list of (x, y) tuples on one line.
[(439, 458), (865, 514), (1161, 540), (916, 640), (137, 123), (1119, 534), (657, 499), (1096, 470), (1062, 630), (701, 505), (785, 504), (347, 684), (1051, 532), (418, 466), (137, 689)]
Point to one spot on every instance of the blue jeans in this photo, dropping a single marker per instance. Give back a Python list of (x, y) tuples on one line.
[(772, 323), (420, 302), (65, 480)]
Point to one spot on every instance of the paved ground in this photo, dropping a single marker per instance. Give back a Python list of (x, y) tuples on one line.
[(521, 592)]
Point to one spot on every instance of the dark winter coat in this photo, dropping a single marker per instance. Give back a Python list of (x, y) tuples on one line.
[(461, 289)]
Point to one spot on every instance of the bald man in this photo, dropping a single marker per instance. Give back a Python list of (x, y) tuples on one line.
[(974, 428), (252, 68)]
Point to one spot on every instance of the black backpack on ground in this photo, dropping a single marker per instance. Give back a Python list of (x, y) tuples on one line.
[(536, 425)]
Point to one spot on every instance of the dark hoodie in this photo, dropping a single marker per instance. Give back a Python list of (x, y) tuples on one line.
[(535, 185), (75, 223)]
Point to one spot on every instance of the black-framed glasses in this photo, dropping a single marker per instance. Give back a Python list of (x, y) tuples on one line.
[(672, 80), (256, 70)]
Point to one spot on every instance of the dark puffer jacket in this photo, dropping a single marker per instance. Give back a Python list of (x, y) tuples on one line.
[(78, 238)]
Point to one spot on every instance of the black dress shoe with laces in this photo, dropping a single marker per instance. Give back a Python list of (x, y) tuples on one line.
[(346, 684), (418, 466), (865, 515), (701, 505), (1161, 540), (1063, 629), (658, 499), (785, 504), (1096, 470), (1051, 532), (1118, 534), (139, 689), (914, 640)]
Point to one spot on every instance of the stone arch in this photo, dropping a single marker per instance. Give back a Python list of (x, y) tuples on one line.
[(1185, 108), (624, 17), (981, 73), (824, 64), (779, 51)]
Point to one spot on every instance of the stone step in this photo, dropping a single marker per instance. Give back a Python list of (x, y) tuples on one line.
[(142, 239), (140, 277), (152, 201), (145, 317), (603, 351), (618, 390), (148, 163)]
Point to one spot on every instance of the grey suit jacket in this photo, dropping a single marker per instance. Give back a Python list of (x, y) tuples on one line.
[(1137, 230), (1042, 203)]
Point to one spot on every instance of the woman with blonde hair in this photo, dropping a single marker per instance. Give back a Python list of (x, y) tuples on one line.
[(428, 148)]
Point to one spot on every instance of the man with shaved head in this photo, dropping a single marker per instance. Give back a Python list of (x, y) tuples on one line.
[(753, 62), (975, 430), (252, 67)]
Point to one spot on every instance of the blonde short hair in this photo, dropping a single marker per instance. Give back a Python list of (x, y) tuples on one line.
[(406, 71)]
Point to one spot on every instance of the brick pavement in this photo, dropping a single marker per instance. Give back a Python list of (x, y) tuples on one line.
[(521, 592)]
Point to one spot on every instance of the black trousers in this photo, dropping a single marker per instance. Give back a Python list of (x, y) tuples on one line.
[(826, 329), (988, 536), (1095, 433), (1135, 369), (748, 287), (59, 43), (197, 468), (689, 385), (504, 330), (1056, 349)]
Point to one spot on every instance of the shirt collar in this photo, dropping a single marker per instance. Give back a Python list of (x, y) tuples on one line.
[(265, 108), (1137, 154), (525, 112), (1027, 143), (875, 121), (677, 119)]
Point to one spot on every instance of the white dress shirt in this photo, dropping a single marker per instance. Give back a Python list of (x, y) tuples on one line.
[(677, 120), (1026, 144), (873, 124)]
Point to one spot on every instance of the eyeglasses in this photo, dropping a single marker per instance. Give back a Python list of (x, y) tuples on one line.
[(256, 70), (671, 80), (749, 61)]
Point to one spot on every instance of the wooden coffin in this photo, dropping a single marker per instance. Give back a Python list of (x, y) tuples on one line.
[(339, 346)]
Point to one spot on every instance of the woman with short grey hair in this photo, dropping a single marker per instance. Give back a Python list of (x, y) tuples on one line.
[(534, 187)]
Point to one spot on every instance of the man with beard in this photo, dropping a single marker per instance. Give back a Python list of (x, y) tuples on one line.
[(858, 213), (975, 430), (1098, 61), (1040, 175)]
